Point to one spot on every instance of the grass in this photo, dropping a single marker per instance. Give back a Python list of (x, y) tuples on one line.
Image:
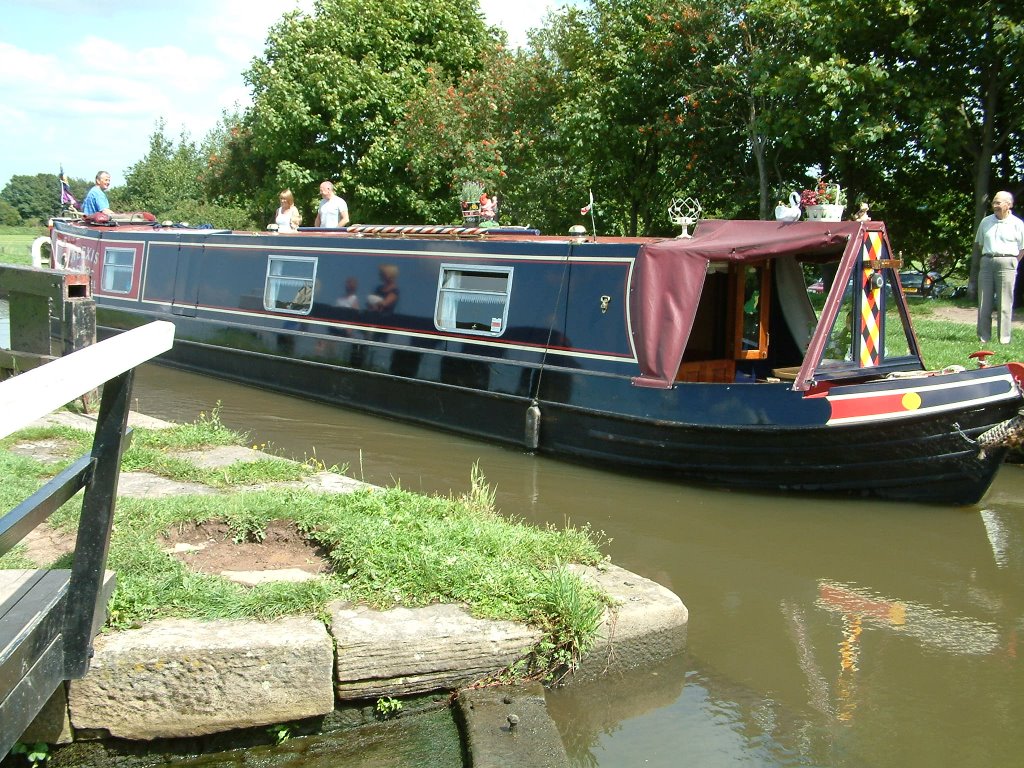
[(16, 244), (945, 342), (387, 547)]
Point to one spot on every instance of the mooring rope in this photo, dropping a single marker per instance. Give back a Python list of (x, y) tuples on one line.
[(1009, 434)]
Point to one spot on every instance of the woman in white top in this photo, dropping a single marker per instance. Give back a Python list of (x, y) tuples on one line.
[(288, 218)]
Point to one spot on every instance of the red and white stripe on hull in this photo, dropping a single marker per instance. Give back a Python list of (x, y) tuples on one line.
[(922, 395)]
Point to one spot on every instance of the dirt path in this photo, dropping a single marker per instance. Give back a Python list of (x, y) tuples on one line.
[(956, 314), (967, 315)]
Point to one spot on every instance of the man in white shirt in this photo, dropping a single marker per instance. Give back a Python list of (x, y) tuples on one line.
[(1000, 242), (333, 210)]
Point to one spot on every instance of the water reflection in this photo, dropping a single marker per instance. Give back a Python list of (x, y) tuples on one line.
[(831, 632)]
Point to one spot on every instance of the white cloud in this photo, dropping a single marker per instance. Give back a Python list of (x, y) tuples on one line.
[(89, 94)]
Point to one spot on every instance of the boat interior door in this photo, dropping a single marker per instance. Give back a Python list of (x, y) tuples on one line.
[(186, 279), (730, 334)]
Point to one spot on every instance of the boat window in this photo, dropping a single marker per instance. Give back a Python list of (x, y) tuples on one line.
[(752, 302), (839, 347), (870, 328), (473, 299), (290, 281), (118, 268), (897, 332)]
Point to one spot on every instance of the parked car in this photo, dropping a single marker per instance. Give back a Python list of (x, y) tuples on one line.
[(818, 286), (925, 285)]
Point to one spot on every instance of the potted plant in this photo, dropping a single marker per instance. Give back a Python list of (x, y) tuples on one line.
[(826, 202)]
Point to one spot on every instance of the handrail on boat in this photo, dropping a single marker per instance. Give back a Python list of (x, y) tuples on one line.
[(424, 230)]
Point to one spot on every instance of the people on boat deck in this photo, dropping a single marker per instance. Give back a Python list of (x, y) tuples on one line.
[(96, 201), (288, 217), (998, 249), (385, 297), (333, 210)]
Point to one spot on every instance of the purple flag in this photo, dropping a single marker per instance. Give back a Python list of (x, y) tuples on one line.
[(66, 198)]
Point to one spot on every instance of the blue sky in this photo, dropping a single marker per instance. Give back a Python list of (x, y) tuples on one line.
[(84, 83)]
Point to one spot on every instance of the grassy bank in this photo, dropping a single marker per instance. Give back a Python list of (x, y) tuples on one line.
[(946, 342), (16, 244), (386, 547)]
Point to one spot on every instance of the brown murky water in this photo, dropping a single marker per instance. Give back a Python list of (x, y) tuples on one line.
[(822, 632)]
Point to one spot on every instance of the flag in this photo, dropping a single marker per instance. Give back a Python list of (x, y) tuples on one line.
[(66, 198), (586, 209)]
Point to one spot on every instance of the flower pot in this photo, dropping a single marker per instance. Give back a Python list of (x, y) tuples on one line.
[(824, 212)]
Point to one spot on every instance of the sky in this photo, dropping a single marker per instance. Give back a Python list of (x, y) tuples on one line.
[(84, 83)]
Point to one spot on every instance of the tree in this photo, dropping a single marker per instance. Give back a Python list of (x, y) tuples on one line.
[(595, 119), (233, 168), (167, 174), (9, 216), (35, 198), (170, 181), (923, 103), (331, 85)]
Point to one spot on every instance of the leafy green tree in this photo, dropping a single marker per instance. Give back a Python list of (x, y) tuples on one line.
[(170, 181), (35, 198), (168, 174), (921, 102), (9, 216), (233, 168), (332, 84), (477, 129), (620, 108)]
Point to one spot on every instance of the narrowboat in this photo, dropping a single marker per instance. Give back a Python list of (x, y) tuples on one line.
[(701, 357)]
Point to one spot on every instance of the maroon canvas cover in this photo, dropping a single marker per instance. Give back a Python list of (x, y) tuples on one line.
[(670, 274)]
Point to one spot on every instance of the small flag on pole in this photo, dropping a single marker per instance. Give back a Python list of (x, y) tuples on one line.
[(66, 198), (586, 209)]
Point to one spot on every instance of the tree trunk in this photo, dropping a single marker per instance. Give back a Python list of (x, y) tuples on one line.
[(757, 145)]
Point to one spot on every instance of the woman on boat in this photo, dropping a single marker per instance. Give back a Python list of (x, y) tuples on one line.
[(288, 218)]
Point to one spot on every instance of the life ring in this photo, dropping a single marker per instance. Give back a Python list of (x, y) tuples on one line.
[(37, 252)]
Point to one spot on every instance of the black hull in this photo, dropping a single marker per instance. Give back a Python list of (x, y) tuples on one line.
[(928, 460)]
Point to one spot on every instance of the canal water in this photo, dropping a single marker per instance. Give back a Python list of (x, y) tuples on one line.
[(823, 632)]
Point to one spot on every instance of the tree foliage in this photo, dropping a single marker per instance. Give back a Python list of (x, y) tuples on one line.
[(171, 182), (333, 84), (165, 176), (910, 105), (36, 198), (9, 216)]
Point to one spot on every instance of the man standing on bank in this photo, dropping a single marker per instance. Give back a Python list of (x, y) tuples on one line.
[(96, 201), (333, 211), (1000, 241)]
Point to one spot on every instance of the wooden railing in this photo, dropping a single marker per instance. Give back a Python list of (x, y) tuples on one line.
[(48, 619)]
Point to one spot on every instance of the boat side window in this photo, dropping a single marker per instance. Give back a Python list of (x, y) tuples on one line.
[(752, 301), (289, 287), (473, 299), (118, 268)]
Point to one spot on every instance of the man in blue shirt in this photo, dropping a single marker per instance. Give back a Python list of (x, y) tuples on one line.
[(96, 201)]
